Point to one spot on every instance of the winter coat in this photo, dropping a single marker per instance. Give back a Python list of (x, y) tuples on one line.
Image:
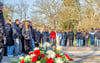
[(9, 38), (65, 35), (46, 37), (53, 35), (71, 35), (16, 31), (2, 29), (92, 34), (26, 34), (38, 36), (97, 35)]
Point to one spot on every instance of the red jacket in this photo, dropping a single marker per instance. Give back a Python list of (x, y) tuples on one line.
[(53, 35)]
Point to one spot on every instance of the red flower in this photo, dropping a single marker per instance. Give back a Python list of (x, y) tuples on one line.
[(22, 61), (68, 57), (30, 53), (58, 55), (42, 55), (37, 52), (50, 60), (34, 59)]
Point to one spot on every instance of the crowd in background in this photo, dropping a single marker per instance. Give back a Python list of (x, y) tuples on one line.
[(22, 37), (17, 38)]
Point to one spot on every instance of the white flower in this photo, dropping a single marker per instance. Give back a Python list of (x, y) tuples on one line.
[(21, 58), (58, 60), (46, 44), (36, 48), (38, 62), (59, 48), (51, 54)]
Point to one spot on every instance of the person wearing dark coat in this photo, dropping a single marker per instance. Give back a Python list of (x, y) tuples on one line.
[(46, 36), (71, 37), (77, 36), (38, 36), (86, 38), (65, 38), (2, 32), (26, 32), (97, 35), (9, 39), (17, 38)]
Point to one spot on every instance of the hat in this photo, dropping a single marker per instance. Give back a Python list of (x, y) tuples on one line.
[(1, 4)]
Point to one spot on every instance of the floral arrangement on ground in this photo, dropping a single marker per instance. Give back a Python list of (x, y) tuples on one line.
[(45, 54)]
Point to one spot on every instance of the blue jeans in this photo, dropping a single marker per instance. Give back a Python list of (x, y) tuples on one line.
[(92, 41), (33, 44), (10, 50), (98, 42), (81, 42), (62, 42), (17, 47), (65, 44), (78, 42), (53, 42)]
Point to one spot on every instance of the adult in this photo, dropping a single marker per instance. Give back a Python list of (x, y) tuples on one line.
[(71, 37), (92, 36), (17, 38), (53, 37), (9, 39), (26, 32), (58, 38), (97, 35), (2, 32), (65, 37), (77, 36)]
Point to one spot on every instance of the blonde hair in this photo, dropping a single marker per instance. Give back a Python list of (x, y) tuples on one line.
[(26, 25)]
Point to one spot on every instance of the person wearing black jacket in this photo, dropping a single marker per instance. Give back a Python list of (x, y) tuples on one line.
[(9, 39), (65, 38), (71, 37), (2, 32), (77, 36), (17, 38)]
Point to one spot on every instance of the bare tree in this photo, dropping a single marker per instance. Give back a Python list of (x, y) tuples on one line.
[(49, 9)]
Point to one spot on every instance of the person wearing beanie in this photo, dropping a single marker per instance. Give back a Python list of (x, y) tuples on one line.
[(2, 32)]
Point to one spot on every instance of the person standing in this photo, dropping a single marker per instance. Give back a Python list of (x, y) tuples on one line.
[(58, 38), (65, 38), (97, 35), (86, 38), (71, 37), (17, 38), (9, 39), (83, 34), (62, 39), (77, 36), (92, 36), (33, 35), (26, 32), (53, 37), (2, 32)]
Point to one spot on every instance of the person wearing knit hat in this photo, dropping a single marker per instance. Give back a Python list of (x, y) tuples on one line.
[(2, 32)]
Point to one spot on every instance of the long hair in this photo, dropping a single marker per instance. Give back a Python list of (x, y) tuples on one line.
[(26, 23)]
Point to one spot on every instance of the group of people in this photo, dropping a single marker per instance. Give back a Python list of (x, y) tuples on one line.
[(17, 37)]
